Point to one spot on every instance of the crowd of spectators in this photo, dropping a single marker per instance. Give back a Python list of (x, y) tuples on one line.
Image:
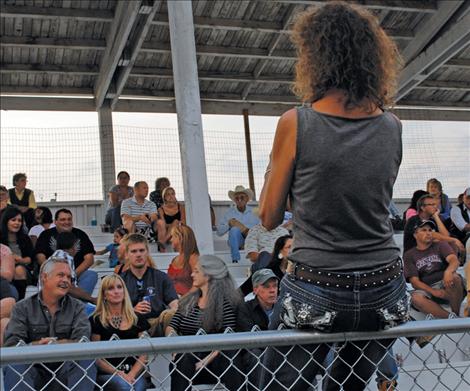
[(197, 292)]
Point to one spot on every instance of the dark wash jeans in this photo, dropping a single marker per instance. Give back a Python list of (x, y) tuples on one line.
[(329, 310)]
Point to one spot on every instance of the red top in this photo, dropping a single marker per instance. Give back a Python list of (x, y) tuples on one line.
[(181, 278)]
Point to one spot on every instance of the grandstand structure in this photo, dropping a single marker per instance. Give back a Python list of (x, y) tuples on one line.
[(207, 56)]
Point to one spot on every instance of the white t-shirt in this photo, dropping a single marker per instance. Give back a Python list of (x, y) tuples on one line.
[(38, 229)]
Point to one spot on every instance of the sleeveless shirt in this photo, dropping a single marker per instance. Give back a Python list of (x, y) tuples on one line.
[(16, 201), (170, 218), (181, 278), (342, 184)]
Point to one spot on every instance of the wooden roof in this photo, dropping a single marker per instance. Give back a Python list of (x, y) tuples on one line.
[(78, 54)]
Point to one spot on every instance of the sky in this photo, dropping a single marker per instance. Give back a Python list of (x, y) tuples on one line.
[(60, 152)]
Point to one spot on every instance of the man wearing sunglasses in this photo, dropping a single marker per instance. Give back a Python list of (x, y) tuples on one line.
[(238, 220)]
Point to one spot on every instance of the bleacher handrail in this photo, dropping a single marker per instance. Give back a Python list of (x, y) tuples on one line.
[(226, 341)]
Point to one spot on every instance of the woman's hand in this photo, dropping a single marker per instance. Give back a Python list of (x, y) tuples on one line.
[(143, 307)]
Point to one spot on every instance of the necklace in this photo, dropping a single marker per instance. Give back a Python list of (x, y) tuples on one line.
[(116, 321)]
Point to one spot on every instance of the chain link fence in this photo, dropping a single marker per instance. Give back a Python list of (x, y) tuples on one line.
[(425, 355)]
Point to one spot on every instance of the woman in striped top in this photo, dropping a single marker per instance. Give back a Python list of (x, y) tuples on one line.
[(211, 307)]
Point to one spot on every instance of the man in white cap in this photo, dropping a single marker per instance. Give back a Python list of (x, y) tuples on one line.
[(238, 220)]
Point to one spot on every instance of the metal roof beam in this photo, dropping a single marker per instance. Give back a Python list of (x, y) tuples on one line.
[(106, 16), (444, 85), (458, 63), (87, 15), (133, 46), (50, 69), (145, 72), (223, 51), (258, 26), (429, 104), (442, 50), (430, 28), (392, 5), (147, 47), (208, 107), (125, 15), (271, 47), (140, 93), (53, 43)]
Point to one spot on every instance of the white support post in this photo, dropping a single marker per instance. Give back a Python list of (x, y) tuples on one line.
[(188, 108), (108, 169)]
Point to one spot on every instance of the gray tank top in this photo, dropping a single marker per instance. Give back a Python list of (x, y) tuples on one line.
[(341, 189)]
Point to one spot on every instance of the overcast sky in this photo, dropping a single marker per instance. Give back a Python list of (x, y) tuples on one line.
[(60, 152)]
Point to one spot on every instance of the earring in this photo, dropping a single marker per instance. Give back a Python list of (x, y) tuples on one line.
[(280, 256)]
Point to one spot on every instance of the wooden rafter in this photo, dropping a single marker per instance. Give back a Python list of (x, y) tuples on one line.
[(136, 40), (121, 27)]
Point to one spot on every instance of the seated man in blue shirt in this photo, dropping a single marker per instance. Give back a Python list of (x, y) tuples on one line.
[(238, 220)]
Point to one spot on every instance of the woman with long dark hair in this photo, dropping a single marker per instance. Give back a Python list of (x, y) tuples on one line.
[(412, 209), (181, 267), (210, 307), (278, 262), (337, 158), (13, 236)]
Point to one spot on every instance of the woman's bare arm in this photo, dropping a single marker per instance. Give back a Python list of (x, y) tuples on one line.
[(278, 181)]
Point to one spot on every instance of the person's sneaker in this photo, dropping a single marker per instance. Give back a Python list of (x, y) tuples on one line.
[(452, 315), (387, 385), (234, 260)]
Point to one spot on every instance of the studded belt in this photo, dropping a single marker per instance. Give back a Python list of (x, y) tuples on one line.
[(348, 280)]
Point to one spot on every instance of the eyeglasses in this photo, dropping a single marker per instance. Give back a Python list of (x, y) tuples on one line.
[(239, 198)]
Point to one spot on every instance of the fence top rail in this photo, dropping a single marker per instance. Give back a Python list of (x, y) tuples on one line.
[(227, 341)]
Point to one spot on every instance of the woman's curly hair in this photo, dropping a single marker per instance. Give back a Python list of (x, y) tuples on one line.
[(342, 46)]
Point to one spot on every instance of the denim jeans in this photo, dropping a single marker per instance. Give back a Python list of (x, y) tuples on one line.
[(113, 218), (328, 310), (387, 368), (226, 368), (87, 280), (79, 377), (235, 241), (117, 383)]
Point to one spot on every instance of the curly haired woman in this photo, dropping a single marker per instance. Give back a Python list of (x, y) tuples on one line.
[(337, 158)]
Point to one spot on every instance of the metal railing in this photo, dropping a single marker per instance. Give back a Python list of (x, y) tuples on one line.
[(243, 358)]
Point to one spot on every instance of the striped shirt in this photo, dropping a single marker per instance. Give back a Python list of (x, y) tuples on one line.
[(130, 207), (191, 323), (260, 239)]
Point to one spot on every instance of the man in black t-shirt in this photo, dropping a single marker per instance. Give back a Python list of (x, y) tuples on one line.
[(428, 210), (431, 268), (83, 259), (151, 291)]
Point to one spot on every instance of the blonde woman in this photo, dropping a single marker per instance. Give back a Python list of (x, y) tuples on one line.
[(170, 214), (114, 315), (181, 267)]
